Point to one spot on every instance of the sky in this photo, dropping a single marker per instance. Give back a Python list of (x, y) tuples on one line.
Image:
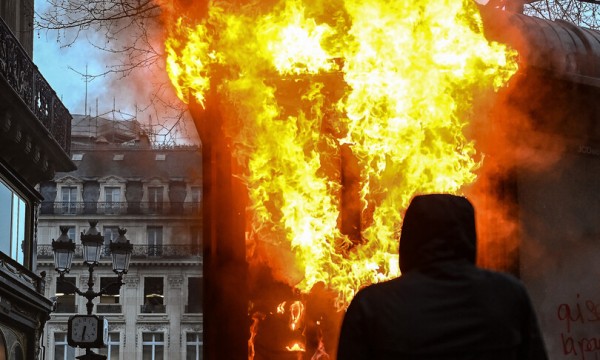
[(64, 67)]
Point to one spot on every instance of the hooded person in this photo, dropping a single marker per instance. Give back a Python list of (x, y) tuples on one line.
[(443, 306)]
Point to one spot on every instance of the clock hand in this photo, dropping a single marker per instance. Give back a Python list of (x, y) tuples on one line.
[(83, 332)]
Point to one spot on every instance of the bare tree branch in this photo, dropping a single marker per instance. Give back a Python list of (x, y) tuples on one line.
[(578, 12), (127, 31)]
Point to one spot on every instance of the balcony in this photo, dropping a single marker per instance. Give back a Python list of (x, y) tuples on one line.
[(193, 309), (153, 309), (109, 308), (29, 85), (65, 308), (119, 208), (140, 252)]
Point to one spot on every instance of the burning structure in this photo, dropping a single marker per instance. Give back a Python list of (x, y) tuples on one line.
[(320, 121)]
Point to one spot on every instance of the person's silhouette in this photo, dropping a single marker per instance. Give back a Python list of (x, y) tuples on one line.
[(443, 306)]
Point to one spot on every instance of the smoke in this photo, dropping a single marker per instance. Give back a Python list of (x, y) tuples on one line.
[(139, 84), (522, 131), (120, 62)]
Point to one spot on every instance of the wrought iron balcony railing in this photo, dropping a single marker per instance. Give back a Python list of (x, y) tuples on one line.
[(25, 79), (119, 208), (65, 308), (193, 309), (109, 308), (153, 309), (140, 252)]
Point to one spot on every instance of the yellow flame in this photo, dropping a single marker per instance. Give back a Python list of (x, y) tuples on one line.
[(394, 81), (296, 347), (293, 42)]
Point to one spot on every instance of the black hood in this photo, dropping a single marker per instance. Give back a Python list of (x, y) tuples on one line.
[(437, 228)]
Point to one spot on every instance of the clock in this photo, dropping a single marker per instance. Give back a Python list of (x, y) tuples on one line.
[(87, 331)]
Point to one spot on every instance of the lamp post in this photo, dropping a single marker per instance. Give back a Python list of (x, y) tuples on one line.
[(90, 331)]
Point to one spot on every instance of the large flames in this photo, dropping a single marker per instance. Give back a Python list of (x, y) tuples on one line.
[(324, 96), (391, 82)]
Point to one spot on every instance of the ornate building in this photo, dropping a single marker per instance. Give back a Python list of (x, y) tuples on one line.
[(34, 143), (154, 192)]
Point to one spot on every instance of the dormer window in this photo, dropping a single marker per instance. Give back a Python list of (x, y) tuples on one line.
[(69, 199), (112, 199), (155, 198), (112, 191)]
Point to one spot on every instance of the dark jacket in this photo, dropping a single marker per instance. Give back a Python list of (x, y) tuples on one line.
[(443, 306)]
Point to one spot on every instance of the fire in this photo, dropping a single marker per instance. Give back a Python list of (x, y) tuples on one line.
[(392, 81), (257, 317), (281, 308), (296, 347), (296, 314)]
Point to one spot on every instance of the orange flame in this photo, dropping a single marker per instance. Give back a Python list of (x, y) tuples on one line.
[(281, 308), (296, 314), (320, 354), (394, 81), (257, 317)]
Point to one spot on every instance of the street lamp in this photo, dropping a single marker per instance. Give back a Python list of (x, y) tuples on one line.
[(120, 251), (63, 249), (92, 241), (90, 331)]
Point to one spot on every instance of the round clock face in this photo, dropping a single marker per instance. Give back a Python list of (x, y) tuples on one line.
[(84, 329)]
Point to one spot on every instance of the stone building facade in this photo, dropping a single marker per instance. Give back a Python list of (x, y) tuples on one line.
[(154, 192)]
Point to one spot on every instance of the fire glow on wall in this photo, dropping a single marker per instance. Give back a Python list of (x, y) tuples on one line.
[(336, 113)]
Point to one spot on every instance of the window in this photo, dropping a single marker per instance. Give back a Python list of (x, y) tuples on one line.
[(196, 240), (72, 233), (111, 295), (160, 157), (153, 345), (69, 199), (65, 296), (194, 295), (193, 346), (155, 198), (62, 350), (112, 199), (196, 197), (110, 299), (77, 157), (118, 157), (153, 295), (110, 234), (112, 194), (111, 351), (13, 219), (154, 235)]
